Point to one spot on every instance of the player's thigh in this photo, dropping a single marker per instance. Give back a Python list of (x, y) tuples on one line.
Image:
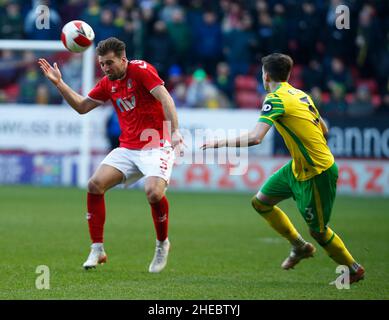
[(122, 159), (104, 178), (278, 186), (316, 199), (156, 162)]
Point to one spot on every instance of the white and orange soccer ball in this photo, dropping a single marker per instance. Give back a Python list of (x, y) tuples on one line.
[(77, 36)]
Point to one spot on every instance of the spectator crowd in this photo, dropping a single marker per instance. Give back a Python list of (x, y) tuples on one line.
[(208, 52)]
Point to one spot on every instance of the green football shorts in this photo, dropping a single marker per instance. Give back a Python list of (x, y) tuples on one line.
[(314, 197)]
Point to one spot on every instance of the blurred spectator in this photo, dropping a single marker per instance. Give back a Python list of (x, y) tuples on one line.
[(337, 106), (265, 32), (337, 42), (128, 36), (120, 18), (175, 77), (239, 45), (70, 10), (178, 94), (135, 31), (307, 31), (106, 28), (71, 72), (168, 10), (233, 15), (30, 23), (339, 75), (279, 29), (91, 13), (362, 105), (200, 90), (181, 37), (214, 99), (225, 38), (147, 18), (28, 85), (11, 22), (129, 5), (42, 94), (9, 68), (113, 130), (3, 96), (159, 49), (369, 41), (207, 42), (313, 75), (223, 79), (195, 14)]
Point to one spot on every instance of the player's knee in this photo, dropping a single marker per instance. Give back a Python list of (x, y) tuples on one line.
[(259, 206), (154, 195), (95, 186)]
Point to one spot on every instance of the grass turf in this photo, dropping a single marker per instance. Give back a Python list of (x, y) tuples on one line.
[(221, 249)]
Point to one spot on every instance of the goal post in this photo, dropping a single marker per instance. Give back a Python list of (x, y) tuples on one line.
[(88, 74)]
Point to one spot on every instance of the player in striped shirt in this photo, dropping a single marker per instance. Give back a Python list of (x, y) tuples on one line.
[(310, 177)]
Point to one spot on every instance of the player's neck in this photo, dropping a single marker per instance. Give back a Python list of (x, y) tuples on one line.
[(273, 86), (125, 72)]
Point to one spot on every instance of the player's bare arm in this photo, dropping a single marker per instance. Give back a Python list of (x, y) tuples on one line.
[(161, 94), (77, 102), (252, 138)]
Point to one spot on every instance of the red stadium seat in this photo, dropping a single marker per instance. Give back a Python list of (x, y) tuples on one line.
[(376, 100), (326, 97), (370, 83), (12, 92), (247, 99), (349, 97), (246, 83), (296, 76)]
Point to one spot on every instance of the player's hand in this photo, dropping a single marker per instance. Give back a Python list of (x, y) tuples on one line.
[(51, 72), (211, 144), (178, 142)]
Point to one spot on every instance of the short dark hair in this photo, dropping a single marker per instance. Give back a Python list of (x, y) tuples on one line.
[(278, 66), (113, 44)]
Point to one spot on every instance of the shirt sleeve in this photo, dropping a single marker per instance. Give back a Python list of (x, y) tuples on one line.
[(272, 109), (99, 93), (147, 75)]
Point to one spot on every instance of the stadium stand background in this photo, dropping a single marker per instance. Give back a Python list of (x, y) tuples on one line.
[(208, 52)]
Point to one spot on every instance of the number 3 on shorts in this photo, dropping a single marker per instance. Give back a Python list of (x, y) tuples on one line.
[(309, 214)]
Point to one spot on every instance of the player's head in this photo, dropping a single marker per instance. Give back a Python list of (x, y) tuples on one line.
[(112, 58), (276, 67)]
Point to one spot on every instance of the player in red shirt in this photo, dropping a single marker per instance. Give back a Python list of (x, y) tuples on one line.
[(146, 111)]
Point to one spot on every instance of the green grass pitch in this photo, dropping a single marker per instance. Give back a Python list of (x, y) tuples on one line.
[(221, 249)]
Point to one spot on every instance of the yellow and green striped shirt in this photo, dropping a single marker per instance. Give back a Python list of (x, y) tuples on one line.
[(296, 118)]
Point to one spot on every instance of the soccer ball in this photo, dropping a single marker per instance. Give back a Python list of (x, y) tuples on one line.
[(77, 36)]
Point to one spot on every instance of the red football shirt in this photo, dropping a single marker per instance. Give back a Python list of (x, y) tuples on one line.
[(137, 108)]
